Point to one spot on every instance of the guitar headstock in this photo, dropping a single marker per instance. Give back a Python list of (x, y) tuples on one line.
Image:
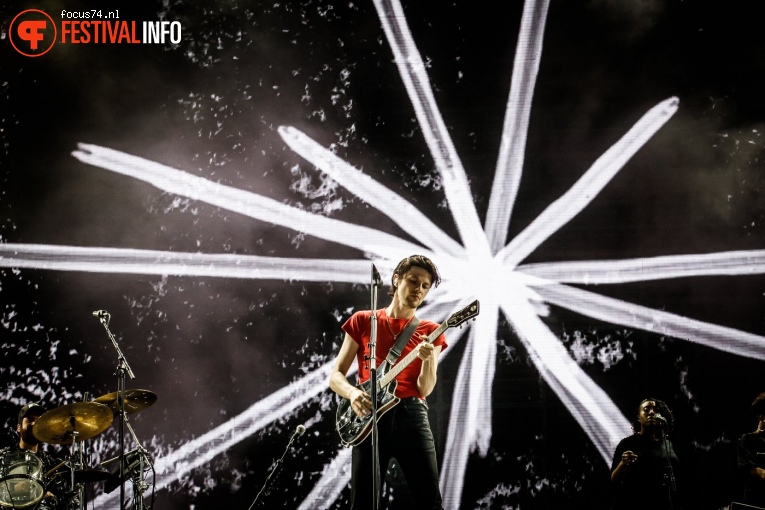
[(469, 312)]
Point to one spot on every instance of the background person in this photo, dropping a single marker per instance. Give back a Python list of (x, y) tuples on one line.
[(645, 466), (17, 486), (750, 453)]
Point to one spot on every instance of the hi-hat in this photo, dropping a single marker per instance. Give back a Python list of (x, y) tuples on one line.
[(135, 400), (58, 426)]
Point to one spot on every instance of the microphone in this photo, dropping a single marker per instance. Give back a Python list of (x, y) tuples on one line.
[(299, 431), (660, 418), (376, 279), (100, 313)]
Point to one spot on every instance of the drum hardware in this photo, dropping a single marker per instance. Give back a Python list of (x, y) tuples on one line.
[(133, 466), (70, 423), (21, 479), (135, 400), (90, 476), (80, 475), (66, 487), (135, 463), (121, 403), (55, 468)]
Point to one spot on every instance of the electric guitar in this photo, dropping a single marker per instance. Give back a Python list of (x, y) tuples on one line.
[(352, 428)]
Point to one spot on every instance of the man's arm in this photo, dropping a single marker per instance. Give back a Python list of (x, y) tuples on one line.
[(627, 458), (360, 401), (426, 381)]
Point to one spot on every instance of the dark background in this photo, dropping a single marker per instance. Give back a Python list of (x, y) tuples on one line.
[(211, 347)]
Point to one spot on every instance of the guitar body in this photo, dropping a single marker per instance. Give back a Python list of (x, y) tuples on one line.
[(354, 429)]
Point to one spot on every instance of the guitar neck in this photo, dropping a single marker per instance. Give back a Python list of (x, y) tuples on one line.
[(401, 365)]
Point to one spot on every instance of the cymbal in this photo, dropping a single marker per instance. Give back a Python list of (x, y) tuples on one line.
[(135, 400), (57, 426)]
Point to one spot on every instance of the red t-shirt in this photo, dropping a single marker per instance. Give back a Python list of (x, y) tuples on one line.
[(359, 328)]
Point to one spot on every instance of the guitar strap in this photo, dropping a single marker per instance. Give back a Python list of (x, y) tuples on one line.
[(395, 351)]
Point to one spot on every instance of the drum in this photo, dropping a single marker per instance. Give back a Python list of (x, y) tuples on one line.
[(21, 480)]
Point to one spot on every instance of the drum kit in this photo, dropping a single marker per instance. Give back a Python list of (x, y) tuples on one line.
[(24, 483)]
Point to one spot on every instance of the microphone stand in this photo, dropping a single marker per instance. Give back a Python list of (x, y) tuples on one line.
[(298, 432), (376, 283), (122, 369), (139, 485), (672, 489)]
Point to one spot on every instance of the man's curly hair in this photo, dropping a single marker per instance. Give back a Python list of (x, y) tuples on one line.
[(417, 261), (662, 408)]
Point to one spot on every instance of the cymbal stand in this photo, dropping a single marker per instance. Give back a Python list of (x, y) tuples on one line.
[(80, 464), (376, 284), (75, 463), (123, 368)]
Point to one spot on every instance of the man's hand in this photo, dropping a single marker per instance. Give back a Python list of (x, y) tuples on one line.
[(629, 457), (361, 403), (426, 351)]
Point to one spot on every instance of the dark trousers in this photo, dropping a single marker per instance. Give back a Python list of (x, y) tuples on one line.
[(405, 435)]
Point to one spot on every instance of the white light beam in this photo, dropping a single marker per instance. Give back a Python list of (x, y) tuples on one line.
[(615, 311), (458, 445), (246, 203), (393, 205), (593, 272), (412, 70), (334, 479), (592, 408), (223, 265), (507, 177), (587, 188)]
